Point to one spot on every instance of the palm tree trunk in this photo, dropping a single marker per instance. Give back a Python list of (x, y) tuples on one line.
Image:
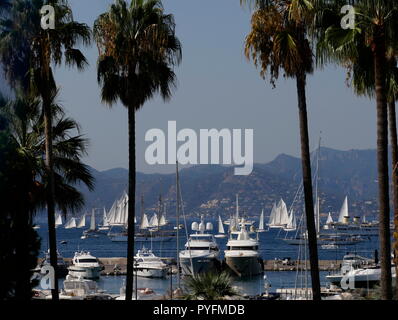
[(307, 182), (131, 206), (22, 287), (382, 164), (392, 120), (52, 237)]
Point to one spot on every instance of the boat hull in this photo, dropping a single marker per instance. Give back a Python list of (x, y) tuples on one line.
[(200, 265), (151, 272), (244, 266), (85, 273)]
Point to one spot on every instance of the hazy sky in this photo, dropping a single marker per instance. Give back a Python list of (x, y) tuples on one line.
[(218, 88)]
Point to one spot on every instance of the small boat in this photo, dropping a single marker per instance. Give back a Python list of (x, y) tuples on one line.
[(85, 265), (63, 242), (201, 253), (147, 265)]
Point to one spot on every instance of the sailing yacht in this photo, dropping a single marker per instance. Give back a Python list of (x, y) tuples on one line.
[(146, 264), (201, 253), (91, 232), (261, 222), (58, 220), (105, 224), (221, 231), (242, 256), (279, 217), (292, 223), (85, 265), (70, 224)]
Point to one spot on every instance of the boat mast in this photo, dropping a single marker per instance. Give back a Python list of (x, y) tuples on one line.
[(178, 224), (317, 218)]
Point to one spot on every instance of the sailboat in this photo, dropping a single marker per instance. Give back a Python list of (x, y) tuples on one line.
[(279, 215), (329, 222), (71, 223), (221, 231), (261, 222), (344, 216), (82, 222), (58, 220), (91, 232), (105, 225), (292, 224)]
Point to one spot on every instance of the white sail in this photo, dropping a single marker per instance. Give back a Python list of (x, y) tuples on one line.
[(70, 224), (82, 222), (154, 222), (344, 210), (58, 219), (220, 226), (271, 221), (292, 224), (283, 213), (104, 219), (92, 221), (261, 223), (162, 221), (330, 219), (144, 222)]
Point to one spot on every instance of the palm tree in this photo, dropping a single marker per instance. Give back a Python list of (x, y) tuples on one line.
[(26, 190), (138, 49), (278, 41), (209, 286), (26, 129), (376, 31), (27, 51)]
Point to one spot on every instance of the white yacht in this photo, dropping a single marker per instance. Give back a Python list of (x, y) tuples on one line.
[(146, 264), (85, 265), (242, 256), (201, 253), (82, 289), (364, 273)]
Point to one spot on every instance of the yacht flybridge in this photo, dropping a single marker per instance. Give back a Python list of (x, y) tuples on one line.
[(242, 256), (201, 252)]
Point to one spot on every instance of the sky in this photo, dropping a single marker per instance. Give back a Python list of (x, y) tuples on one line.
[(217, 88)]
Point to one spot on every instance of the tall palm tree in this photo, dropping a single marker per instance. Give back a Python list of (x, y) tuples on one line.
[(138, 49), (376, 30), (278, 41), (27, 51)]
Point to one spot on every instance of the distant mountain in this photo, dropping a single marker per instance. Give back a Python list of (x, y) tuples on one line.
[(211, 189)]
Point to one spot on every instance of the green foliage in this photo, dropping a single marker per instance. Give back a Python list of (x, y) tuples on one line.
[(138, 49), (209, 286), (25, 121)]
